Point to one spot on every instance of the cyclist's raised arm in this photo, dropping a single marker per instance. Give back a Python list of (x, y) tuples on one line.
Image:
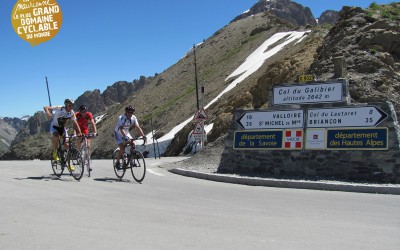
[(47, 110)]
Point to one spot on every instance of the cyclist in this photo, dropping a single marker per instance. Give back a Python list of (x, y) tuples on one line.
[(121, 131), (84, 117), (60, 117)]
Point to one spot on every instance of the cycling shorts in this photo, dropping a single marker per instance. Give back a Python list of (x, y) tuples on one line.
[(59, 130), (119, 138)]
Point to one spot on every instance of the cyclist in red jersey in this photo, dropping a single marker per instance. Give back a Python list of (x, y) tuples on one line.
[(84, 117)]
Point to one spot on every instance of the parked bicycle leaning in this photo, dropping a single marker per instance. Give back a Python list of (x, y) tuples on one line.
[(121, 131), (60, 115), (83, 118)]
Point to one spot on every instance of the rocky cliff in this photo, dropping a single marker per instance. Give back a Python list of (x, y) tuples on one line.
[(328, 17), (369, 42), (118, 92)]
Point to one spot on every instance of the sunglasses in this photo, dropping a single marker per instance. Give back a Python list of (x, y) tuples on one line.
[(131, 112)]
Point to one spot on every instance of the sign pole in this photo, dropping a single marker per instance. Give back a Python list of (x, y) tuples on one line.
[(202, 122), (195, 76), (152, 132)]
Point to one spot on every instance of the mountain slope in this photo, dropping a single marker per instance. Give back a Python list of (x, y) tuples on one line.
[(169, 98), (9, 128)]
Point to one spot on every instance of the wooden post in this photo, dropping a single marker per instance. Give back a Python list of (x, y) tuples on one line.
[(340, 67)]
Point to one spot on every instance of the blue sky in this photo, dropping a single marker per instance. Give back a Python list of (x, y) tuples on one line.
[(100, 43)]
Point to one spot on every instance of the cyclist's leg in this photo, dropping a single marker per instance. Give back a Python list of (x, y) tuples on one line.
[(88, 154), (66, 141), (88, 148), (56, 137), (121, 151), (121, 145)]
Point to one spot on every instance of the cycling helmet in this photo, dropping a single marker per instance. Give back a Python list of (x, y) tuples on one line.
[(70, 101), (82, 107), (129, 108)]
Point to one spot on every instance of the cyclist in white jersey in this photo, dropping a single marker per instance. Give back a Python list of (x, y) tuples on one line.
[(60, 117), (121, 131)]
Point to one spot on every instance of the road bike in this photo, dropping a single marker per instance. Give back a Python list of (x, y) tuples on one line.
[(67, 158), (85, 151), (131, 159)]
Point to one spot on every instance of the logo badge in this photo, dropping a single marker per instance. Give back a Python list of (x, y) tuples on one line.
[(36, 21)]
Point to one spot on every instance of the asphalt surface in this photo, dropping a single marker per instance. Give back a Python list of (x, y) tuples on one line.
[(170, 211)]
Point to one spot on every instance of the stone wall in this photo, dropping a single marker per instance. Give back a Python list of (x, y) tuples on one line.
[(353, 165)]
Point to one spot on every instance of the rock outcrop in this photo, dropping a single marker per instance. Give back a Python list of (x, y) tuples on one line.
[(284, 9)]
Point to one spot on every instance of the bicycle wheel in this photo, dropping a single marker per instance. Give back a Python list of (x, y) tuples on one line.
[(121, 171), (74, 159), (57, 167), (85, 158), (138, 166)]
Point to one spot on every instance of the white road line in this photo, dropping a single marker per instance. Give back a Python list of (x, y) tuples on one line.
[(154, 172)]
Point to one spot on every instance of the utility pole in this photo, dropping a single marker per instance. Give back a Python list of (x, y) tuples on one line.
[(195, 76), (48, 92), (202, 122)]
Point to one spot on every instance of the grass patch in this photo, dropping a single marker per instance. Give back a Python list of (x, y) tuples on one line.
[(160, 109), (390, 11)]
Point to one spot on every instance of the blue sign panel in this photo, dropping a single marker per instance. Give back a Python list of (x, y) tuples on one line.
[(263, 139), (358, 138)]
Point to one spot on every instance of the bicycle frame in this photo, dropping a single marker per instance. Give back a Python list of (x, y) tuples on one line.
[(68, 157)]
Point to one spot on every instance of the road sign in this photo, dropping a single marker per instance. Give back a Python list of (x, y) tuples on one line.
[(200, 137), (357, 138), (200, 115), (308, 93), (272, 119), (349, 116), (306, 78), (263, 139), (198, 129)]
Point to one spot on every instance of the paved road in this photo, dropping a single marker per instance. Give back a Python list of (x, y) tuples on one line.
[(169, 211)]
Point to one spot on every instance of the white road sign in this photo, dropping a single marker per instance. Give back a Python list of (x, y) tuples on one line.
[(308, 93), (350, 116), (272, 119)]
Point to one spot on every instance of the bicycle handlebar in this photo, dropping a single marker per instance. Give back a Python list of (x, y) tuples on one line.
[(137, 138)]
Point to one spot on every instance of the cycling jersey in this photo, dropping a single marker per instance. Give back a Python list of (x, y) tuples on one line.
[(61, 116), (83, 120), (125, 123)]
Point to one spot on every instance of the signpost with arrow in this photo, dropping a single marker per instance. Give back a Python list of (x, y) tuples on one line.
[(349, 116), (272, 119)]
